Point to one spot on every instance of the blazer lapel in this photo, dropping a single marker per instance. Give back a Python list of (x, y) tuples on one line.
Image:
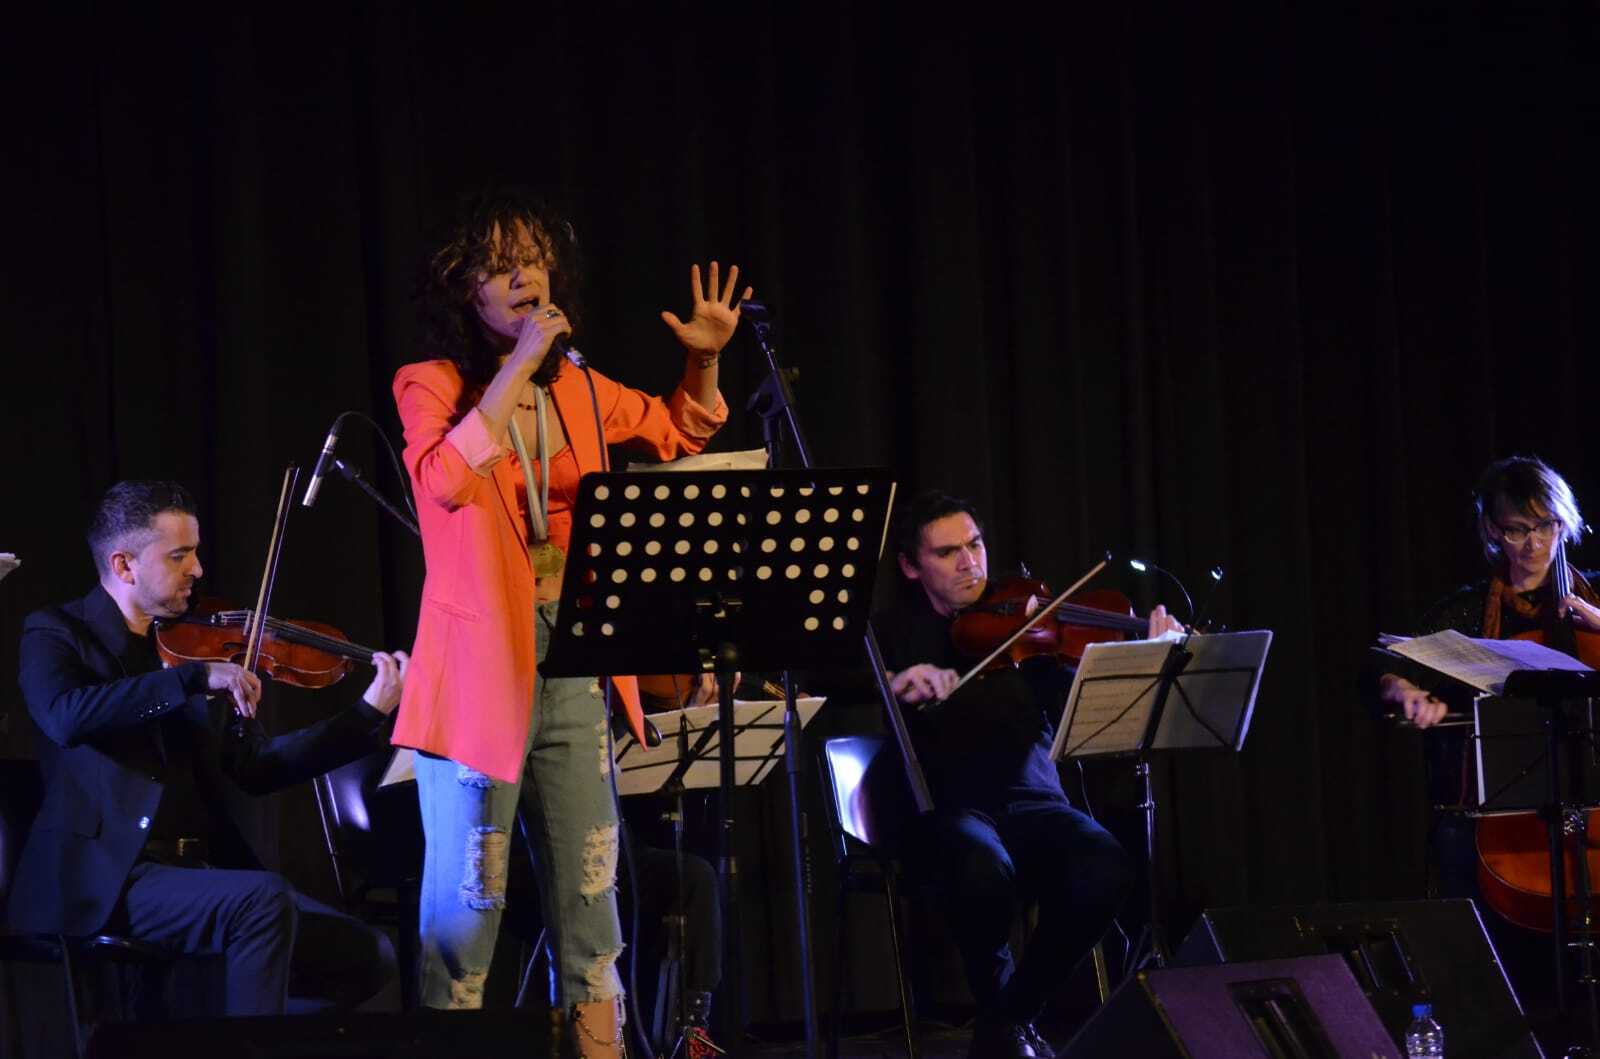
[(571, 394)]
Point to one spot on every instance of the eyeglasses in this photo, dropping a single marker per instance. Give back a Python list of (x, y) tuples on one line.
[(1516, 535)]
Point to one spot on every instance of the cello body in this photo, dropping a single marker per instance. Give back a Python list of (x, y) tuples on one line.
[(1514, 850)]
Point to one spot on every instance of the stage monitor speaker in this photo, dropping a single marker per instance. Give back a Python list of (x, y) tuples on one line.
[(1310, 1008), (414, 1035), (1400, 951)]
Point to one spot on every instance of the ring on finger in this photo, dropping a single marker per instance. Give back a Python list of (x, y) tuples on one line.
[(551, 313)]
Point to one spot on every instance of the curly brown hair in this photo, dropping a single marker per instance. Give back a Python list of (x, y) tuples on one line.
[(474, 244)]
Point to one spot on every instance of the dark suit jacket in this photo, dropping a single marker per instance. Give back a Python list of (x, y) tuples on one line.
[(105, 765)]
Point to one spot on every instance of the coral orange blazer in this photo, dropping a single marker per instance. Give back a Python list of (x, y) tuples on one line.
[(469, 690)]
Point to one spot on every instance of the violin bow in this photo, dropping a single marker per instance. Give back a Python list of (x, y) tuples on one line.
[(256, 625), (1014, 637)]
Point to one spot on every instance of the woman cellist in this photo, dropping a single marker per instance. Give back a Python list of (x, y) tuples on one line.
[(1526, 514)]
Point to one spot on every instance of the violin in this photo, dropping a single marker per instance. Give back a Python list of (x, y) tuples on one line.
[(1080, 619), (303, 654), (1023, 617), (1514, 849)]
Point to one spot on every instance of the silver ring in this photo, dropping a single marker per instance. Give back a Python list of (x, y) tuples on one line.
[(551, 313)]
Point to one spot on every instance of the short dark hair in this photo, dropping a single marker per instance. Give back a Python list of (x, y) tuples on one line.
[(448, 285), (127, 510), (1532, 488), (919, 511)]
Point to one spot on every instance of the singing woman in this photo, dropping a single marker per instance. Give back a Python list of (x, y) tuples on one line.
[(499, 427)]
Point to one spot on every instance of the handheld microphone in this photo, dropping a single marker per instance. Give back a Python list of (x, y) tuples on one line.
[(324, 463), (756, 311), (563, 346)]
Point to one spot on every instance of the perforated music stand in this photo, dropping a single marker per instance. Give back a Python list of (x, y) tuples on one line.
[(721, 571), (686, 759), (1121, 704)]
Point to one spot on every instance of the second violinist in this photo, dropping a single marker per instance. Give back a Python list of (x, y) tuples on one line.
[(1002, 829)]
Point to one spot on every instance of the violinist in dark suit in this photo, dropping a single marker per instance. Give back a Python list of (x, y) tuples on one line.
[(1002, 830), (142, 828)]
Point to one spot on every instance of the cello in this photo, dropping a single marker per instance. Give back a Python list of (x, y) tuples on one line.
[(1513, 849)]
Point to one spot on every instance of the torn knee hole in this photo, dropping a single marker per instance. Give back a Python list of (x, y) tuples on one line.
[(484, 885), (601, 977), (471, 777), (466, 992), (599, 862)]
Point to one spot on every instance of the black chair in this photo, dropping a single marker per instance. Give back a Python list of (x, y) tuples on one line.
[(374, 838), (861, 865), (21, 790), (375, 843)]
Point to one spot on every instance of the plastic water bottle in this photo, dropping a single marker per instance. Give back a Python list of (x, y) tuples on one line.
[(1424, 1037)]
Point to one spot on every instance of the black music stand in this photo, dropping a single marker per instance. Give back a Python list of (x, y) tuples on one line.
[(1120, 706), (1551, 689), (686, 760), (722, 571)]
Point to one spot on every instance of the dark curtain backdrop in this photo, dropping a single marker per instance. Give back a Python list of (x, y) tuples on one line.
[(1257, 284)]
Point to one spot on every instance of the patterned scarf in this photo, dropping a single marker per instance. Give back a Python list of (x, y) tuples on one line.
[(1501, 596)]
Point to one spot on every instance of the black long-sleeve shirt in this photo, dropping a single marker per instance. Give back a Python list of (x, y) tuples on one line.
[(988, 745)]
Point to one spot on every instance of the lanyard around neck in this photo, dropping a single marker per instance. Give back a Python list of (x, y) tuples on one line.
[(538, 499)]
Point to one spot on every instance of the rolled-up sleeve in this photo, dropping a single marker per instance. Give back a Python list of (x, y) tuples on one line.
[(695, 420), (448, 461), (476, 445)]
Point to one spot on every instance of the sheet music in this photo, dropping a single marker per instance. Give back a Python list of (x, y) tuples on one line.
[(1111, 696), (1481, 664), (747, 460), (757, 747), (1210, 707), (645, 768)]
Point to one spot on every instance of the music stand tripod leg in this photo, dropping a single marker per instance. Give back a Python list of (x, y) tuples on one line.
[(671, 1017), (1555, 820), (1575, 827), (731, 1019), (802, 889), (1154, 932)]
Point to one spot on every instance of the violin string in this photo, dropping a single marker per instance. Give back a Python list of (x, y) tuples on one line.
[(310, 638)]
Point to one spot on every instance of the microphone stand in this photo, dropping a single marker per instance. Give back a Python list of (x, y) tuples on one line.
[(354, 476), (772, 400)]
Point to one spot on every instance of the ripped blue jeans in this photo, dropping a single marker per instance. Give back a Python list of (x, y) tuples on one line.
[(572, 824)]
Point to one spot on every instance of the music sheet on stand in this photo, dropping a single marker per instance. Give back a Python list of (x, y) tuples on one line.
[(758, 744), (744, 460), (1108, 708), (1114, 711), (1482, 664)]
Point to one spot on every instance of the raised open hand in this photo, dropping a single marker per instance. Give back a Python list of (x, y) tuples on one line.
[(714, 317)]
